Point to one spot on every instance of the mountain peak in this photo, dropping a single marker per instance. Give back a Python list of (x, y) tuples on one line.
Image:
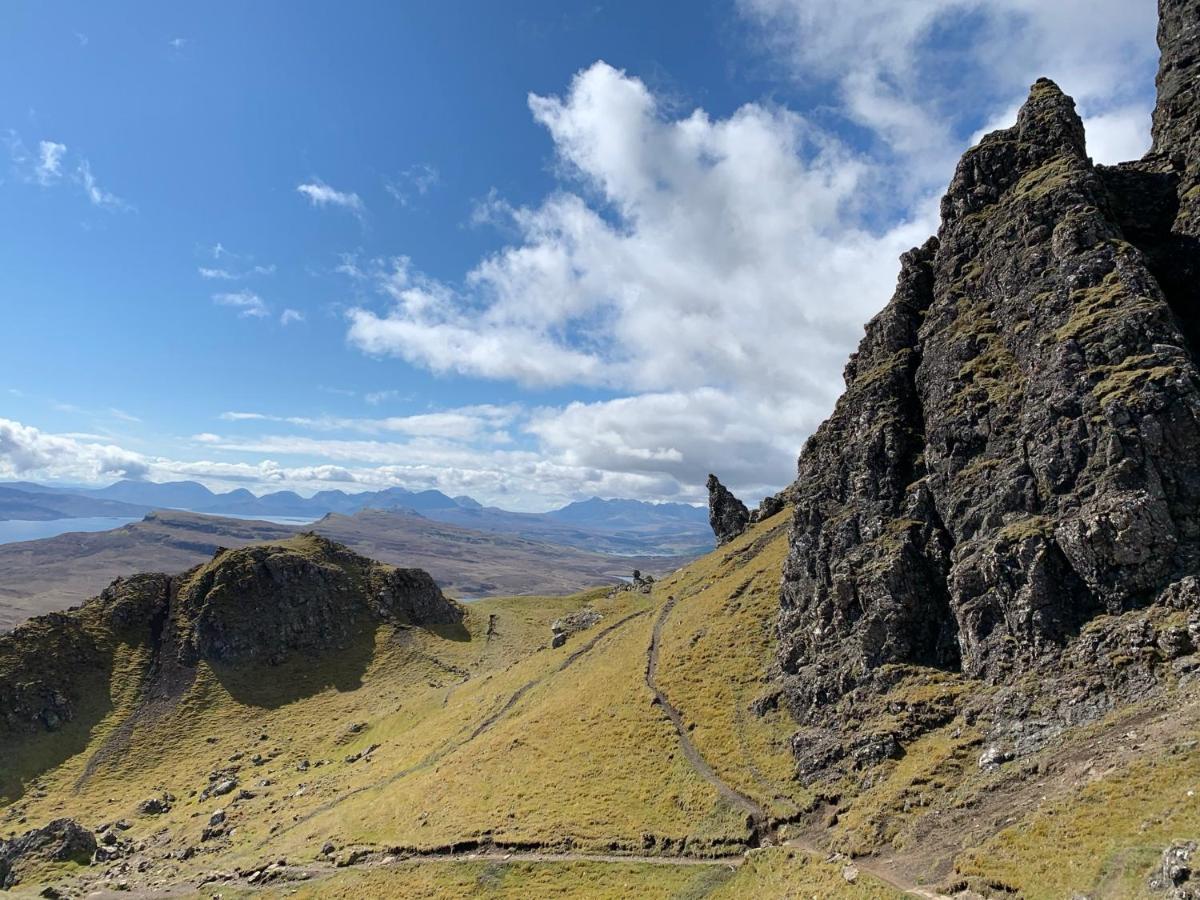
[(1018, 448)]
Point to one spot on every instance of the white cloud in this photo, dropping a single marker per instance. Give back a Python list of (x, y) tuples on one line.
[(49, 165), (718, 271), (320, 194), (26, 452), (916, 72), (95, 193), (1119, 135), (288, 316), (461, 423), (227, 275), (415, 181), (247, 303), (123, 416), (374, 398)]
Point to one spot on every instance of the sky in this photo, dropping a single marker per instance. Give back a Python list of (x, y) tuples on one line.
[(531, 252)]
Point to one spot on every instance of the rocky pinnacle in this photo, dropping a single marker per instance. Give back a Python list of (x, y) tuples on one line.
[(1018, 447), (726, 513)]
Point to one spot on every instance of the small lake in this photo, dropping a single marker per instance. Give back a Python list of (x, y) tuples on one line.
[(22, 530)]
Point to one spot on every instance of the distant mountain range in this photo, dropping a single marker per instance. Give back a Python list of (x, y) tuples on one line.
[(605, 526)]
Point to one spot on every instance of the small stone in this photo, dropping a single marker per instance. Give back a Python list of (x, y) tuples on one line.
[(224, 787), (153, 806), (992, 758)]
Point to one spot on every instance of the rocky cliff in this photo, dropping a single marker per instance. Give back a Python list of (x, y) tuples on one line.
[(1018, 448)]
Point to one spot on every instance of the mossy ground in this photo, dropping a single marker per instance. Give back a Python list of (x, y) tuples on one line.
[(1104, 838), (486, 735)]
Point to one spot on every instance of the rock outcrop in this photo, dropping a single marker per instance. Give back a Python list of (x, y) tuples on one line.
[(727, 514), (573, 623), (768, 507), (63, 840), (257, 604), (1018, 448), (264, 602)]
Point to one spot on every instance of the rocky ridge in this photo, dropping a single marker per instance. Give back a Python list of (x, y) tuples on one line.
[(1016, 459), (254, 605)]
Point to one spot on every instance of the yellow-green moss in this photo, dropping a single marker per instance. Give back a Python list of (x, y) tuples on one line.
[(1124, 381), (1050, 176), (1023, 529), (1098, 307)]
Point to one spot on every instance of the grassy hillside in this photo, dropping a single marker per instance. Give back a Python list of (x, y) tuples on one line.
[(476, 760)]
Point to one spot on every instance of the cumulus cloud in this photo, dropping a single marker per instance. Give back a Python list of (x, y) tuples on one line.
[(247, 303), (714, 273), (717, 270), (26, 452), (320, 194), (919, 73)]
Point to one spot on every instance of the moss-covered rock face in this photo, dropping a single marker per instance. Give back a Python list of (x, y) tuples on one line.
[(1018, 448), (262, 603)]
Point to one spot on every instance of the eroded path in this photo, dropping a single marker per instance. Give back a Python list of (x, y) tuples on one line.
[(757, 817), (759, 820)]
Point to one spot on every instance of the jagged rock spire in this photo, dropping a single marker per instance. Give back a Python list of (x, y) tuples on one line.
[(727, 515), (1176, 123), (1018, 447)]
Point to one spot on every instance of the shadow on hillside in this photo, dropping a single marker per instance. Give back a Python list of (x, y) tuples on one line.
[(23, 757), (456, 631), (300, 675)]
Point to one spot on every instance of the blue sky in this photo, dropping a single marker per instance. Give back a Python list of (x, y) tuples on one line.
[(530, 251)]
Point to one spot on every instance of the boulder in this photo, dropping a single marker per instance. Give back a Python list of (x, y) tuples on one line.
[(63, 840), (572, 623)]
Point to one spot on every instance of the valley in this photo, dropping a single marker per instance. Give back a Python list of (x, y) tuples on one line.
[(956, 658)]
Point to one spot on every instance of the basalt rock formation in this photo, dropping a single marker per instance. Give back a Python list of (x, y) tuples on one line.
[(62, 840), (1018, 448), (726, 513), (255, 605), (265, 602)]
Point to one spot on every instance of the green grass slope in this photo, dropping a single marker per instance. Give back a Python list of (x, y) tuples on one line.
[(479, 761)]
